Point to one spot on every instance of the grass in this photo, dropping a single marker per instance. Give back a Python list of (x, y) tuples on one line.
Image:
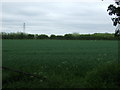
[(65, 63)]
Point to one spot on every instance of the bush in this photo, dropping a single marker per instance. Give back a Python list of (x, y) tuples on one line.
[(105, 76)]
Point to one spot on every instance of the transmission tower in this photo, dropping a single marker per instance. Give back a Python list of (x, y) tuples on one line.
[(24, 26)]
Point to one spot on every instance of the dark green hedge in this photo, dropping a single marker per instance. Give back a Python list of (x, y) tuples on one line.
[(95, 36)]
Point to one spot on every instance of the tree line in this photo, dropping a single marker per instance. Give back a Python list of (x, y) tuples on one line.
[(73, 36)]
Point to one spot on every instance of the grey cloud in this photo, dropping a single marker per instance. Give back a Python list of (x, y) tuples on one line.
[(58, 18)]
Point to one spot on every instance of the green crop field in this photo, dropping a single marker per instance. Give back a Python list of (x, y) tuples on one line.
[(62, 63)]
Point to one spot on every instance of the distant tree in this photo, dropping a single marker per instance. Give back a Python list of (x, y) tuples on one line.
[(42, 36), (30, 36), (95, 36), (59, 37), (52, 36), (75, 34), (68, 36)]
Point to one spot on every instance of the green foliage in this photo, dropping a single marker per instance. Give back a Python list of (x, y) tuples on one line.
[(52, 36), (30, 36), (114, 10), (74, 36), (42, 36), (104, 76)]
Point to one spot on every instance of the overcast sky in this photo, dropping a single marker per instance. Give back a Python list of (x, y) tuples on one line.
[(56, 17)]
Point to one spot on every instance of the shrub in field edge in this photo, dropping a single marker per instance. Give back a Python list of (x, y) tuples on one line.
[(104, 76)]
